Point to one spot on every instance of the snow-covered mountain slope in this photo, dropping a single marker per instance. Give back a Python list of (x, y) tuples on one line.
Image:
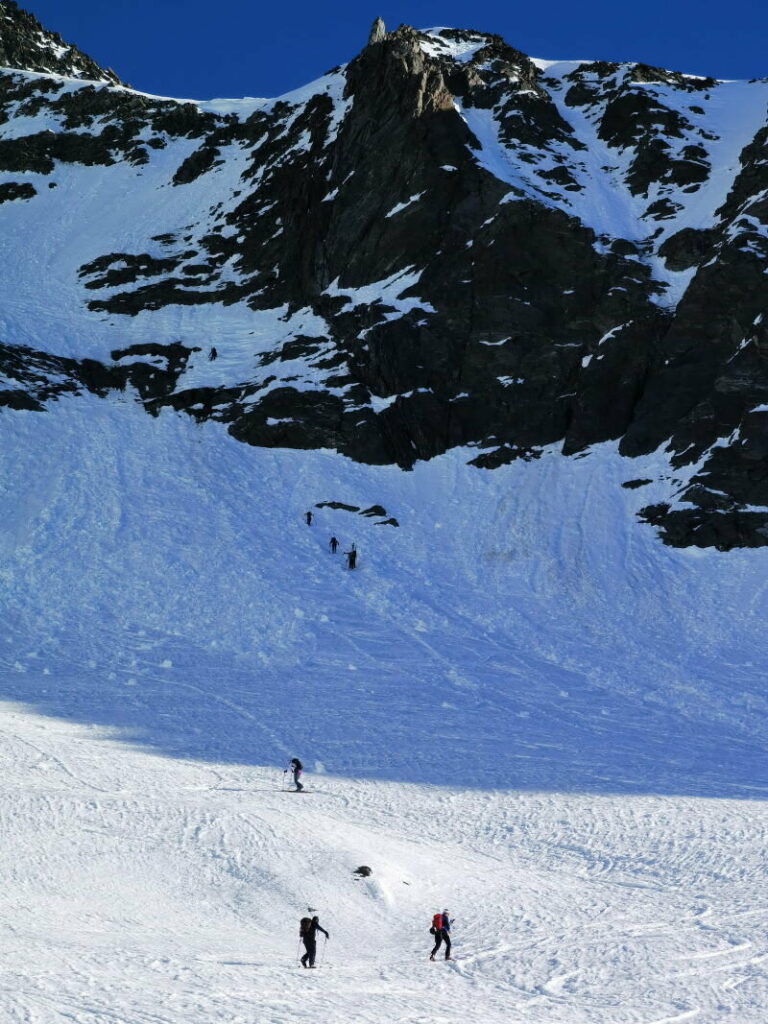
[(522, 706), (549, 723), (441, 244)]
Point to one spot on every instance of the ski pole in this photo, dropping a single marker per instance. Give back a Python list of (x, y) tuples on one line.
[(298, 949), (322, 951)]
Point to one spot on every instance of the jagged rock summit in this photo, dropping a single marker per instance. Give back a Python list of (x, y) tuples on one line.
[(26, 45), (378, 32), (444, 243)]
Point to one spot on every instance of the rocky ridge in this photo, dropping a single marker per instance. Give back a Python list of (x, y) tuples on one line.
[(443, 243), (26, 45)]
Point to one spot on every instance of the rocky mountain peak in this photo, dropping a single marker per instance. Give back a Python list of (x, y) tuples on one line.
[(378, 31), (399, 75), (26, 46), (442, 244)]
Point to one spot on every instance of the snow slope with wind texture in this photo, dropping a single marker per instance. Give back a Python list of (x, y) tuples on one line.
[(521, 707), (122, 208)]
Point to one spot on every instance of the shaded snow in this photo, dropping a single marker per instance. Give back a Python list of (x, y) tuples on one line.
[(402, 206), (389, 292)]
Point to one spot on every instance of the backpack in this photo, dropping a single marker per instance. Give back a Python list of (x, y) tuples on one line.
[(437, 924), (298, 765), (304, 925)]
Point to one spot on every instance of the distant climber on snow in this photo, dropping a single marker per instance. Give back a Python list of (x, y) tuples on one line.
[(352, 558), (333, 544), (308, 929), (213, 354), (441, 927), (295, 768), (308, 517)]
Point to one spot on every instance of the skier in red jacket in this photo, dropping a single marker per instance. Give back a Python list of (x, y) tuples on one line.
[(441, 927)]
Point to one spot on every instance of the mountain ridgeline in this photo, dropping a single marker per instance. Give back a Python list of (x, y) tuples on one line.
[(443, 243)]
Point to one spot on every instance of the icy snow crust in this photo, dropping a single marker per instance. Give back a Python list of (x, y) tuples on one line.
[(520, 707)]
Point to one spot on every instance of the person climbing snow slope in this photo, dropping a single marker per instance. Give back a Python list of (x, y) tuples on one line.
[(295, 768), (308, 929), (441, 927)]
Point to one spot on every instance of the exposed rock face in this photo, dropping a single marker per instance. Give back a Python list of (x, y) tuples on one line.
[(377, 33), (442, 244), (25, 44)]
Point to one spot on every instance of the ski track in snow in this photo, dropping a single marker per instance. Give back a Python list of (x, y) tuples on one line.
[(523, 707)]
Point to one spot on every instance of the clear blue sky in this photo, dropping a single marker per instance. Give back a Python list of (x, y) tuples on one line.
[(212, 48)]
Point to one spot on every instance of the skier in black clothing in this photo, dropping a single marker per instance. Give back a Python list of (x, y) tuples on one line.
[(333, 544), (296, 768), (308, 930), (308, 517), (352, 558), (442, 928), (213, 354)]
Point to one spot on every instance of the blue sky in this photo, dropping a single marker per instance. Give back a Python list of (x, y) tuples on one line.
[(203, 49)]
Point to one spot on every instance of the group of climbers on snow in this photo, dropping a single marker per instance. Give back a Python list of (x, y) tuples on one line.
[(309, 927), (333, 544)]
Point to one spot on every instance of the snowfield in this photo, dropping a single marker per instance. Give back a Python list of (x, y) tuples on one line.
[(521, 707)]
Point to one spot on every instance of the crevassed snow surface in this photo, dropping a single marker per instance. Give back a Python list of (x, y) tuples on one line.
[(521, 707)]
